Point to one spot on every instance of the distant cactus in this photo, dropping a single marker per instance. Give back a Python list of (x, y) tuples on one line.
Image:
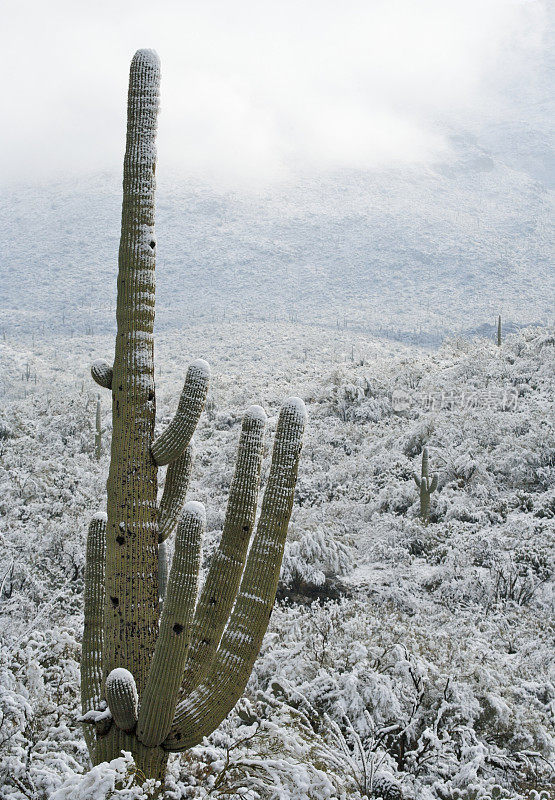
[(159, 676), (499, 331), (427, 484)]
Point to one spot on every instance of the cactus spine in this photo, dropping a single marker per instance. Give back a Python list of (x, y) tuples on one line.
[(427, 485), (157, 677)]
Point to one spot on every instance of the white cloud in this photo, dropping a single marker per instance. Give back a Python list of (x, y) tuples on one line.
[(253, 89)]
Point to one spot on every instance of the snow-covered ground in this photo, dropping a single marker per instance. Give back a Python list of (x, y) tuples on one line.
[(404, 660)]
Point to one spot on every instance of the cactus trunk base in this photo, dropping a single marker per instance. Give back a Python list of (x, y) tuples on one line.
[(150, 762)]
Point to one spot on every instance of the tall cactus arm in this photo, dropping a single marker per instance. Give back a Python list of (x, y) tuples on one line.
[(166, 670), (417, 479), (122, 698), (178, 475), (131, 609), (102, 373), (203, 710), (91, 654), (170, 444), (432, 483), (221, 585)]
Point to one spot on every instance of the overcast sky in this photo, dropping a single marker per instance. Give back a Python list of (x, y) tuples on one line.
[(252, 91)]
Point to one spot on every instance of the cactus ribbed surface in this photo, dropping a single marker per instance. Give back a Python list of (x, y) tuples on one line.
[(158, 676), (222, 582), (178, 434), (427, 485), (205, 707), (131, 536), (93, 633), (178, 475), (166, 670)]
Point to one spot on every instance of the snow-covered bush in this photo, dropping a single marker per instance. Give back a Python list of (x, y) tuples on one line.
[(433, 673), (313, 562)]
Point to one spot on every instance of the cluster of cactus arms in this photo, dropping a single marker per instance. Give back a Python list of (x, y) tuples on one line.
[(427, 484), (163, 662), (499, 331)]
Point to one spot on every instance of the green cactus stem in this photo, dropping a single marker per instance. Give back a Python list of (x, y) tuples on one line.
[(122, 698), (222, 582), (178, 475), (158, 676), (131, 537), (427, 485), (199, 713), (93, 633), (164, 677), (170, 444)]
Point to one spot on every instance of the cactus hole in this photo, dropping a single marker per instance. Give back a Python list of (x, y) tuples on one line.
[(205, 641), (120, 539), (177, 628), (114, 601), (153, 244), (245, 528), (212, 601), (151, 394)]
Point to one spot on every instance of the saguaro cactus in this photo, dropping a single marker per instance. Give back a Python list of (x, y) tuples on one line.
[(158, 677), (427, 484), (499, 331)]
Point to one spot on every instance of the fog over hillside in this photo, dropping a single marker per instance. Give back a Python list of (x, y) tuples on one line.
[(420, 252), (402, 185)]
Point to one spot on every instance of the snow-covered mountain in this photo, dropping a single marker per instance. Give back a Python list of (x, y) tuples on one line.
[(416, 254)]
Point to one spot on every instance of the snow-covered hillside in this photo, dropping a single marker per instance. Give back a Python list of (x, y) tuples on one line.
[(416, 254), (404, 661)]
